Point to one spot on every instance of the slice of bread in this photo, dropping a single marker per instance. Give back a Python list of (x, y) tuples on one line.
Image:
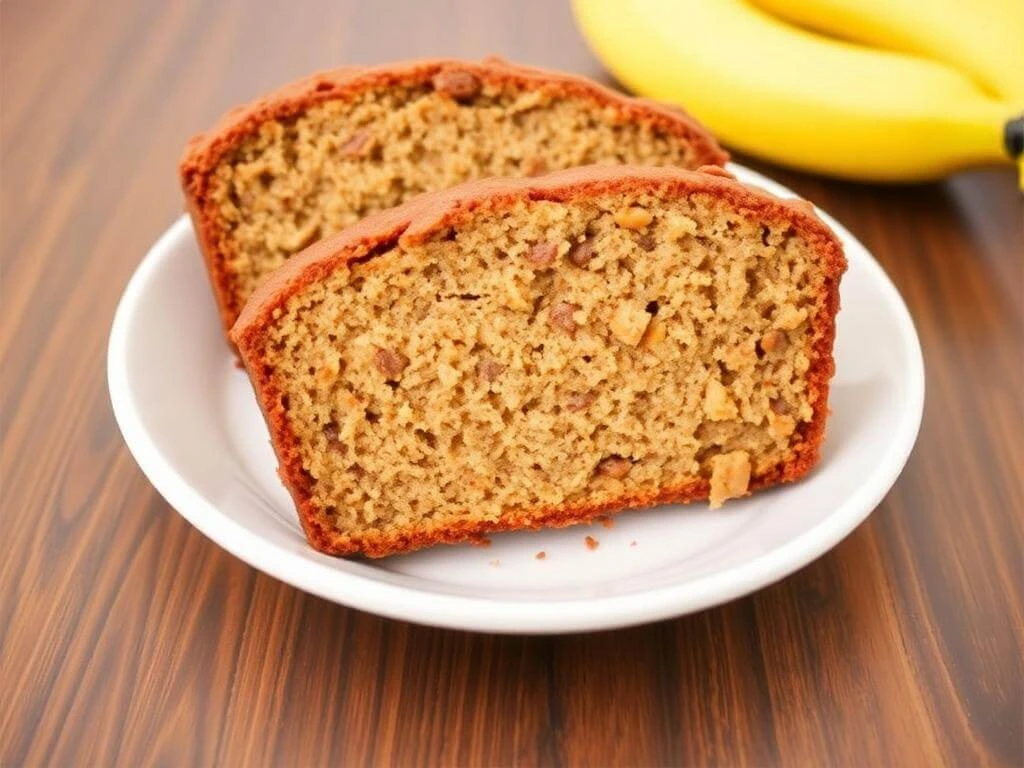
[(318, 155), (517, 353)]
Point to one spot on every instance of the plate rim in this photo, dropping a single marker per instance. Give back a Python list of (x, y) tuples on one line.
[(512, 616)]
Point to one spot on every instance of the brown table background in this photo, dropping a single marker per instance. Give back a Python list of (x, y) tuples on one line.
[(126, 637)]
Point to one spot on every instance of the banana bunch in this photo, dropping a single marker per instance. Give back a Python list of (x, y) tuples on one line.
[(881, 90)]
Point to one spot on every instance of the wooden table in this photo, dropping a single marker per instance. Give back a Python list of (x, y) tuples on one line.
[(128, 638)]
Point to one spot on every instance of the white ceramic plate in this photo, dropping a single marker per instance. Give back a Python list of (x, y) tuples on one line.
[(190, 419)]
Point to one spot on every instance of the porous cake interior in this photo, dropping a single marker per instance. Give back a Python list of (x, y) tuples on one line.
[(549, 355), (300, 180)]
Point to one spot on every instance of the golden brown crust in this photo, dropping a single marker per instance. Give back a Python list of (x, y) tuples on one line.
[(204, 151), (428, 214)]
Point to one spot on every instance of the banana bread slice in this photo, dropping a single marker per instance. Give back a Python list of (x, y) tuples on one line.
[(318, 155), (517, 353)]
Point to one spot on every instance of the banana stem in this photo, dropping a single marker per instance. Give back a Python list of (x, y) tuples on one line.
[(1013, 140)]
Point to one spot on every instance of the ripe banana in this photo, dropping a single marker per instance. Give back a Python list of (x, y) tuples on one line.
[(984, 39), (795, 97)]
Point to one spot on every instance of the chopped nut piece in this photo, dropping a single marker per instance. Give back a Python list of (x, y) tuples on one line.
[(718, 406), (678, 225), (460, 85), (357, 145), (780, 406), (614, 466), (654, 335), (633, 218), (390, 362), (561, 316), (542, 254), (489, 369), (780, 426), (516, 295), (789, 317), (578, 401), (447, 375), (774, 341), (730, 477), (629, 322), (581, 253), (330, 430)]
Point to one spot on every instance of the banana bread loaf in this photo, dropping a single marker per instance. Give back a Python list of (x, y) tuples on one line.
[(517, 353), (318, 155)]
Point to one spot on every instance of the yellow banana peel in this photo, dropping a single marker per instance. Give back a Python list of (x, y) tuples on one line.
[(793, 96)]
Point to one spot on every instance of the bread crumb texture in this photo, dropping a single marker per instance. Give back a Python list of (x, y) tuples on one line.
[(301, 179), (492, 369)]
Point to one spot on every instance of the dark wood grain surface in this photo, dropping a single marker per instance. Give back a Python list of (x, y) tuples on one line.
[(127, 638)]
